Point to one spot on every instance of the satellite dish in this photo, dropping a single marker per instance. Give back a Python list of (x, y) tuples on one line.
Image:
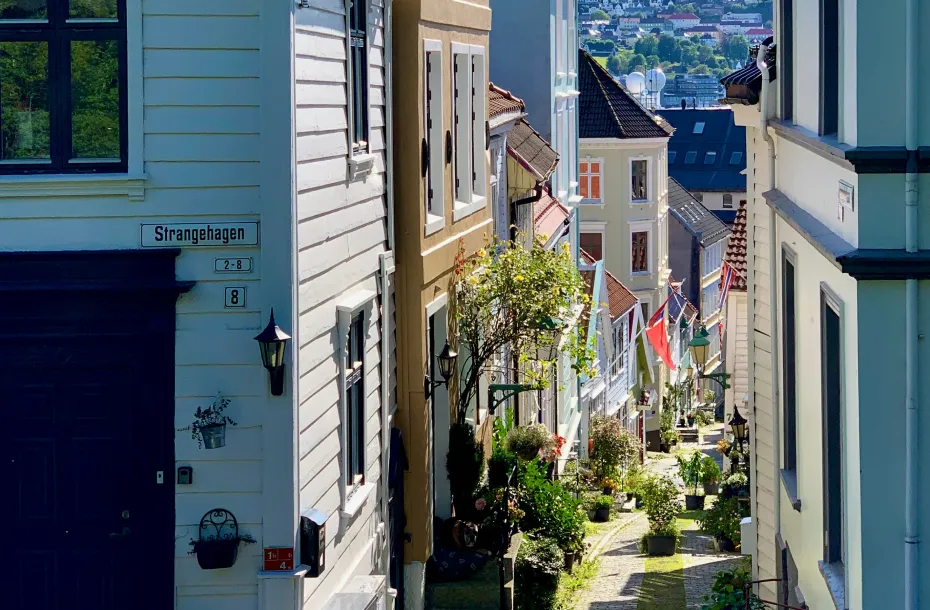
[(655, 79), (636, 82)]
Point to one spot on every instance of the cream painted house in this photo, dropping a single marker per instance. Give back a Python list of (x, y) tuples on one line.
[(837, 292), (735, 335), (623, 183)]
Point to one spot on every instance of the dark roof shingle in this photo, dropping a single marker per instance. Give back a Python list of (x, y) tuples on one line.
[(692, 214), (720, 135), (531, 151), (736, 249), (608, 110)]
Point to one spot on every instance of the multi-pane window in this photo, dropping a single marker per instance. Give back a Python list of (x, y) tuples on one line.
[(711, 259), (355, 402), (433, 130), (789, 351), (621, 345), (358, 48), (639, 252), (62, 86), (639, 180), (589, 179), (710, 299), (832, 425), (593, 244), (727, 200), (469, 109)]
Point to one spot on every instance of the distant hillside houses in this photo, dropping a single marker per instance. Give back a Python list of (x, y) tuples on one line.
[(750, 18)]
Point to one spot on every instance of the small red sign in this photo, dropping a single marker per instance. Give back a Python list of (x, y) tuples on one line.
[(279, 558)]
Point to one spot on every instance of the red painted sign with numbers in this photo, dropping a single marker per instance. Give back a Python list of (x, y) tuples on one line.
[(279, 558)]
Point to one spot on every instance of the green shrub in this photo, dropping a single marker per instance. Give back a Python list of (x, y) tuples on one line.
[(500, 465), (710, 470), (550, 509), (527, 441), (722, 520), (729, 591), (536, 573), (660, 528), (704, 418), (735, 486), (660, 499), (465, 467), (604, 502), (576, 477), (614, 447), (689, 469)]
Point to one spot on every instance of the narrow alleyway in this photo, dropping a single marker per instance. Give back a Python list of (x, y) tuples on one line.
[(628, 580)]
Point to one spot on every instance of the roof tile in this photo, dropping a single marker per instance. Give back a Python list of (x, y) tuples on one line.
[(549, 215), (620, 299), (694, 216), (501, 101), (736, 249), (608, 110), (531, 151)]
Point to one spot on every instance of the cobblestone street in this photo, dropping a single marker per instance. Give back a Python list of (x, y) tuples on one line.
[(628, 580)]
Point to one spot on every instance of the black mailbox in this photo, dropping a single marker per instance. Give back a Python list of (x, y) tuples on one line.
[(313, 541)]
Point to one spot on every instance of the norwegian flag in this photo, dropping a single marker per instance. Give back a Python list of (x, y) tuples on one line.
[(727, 275)]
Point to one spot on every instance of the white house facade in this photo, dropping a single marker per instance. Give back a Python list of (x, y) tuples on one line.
[(213, 163)]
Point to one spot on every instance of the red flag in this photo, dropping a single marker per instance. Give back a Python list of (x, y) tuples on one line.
[(657, 333)]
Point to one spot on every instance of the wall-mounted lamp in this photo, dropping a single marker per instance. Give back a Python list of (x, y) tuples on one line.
[(272, 342), (446, 359)]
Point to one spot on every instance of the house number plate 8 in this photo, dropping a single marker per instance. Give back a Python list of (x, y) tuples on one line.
[(235, 297), (232, 265)]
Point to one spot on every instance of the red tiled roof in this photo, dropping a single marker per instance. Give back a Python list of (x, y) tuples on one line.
[(759, 32), (501, 101), (549, 215), (619, 298), (736, 249)]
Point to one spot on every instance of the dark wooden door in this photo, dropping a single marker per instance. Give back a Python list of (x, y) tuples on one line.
[(86, 401)]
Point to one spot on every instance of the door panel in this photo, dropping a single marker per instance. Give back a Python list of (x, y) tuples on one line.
[(87, 401)]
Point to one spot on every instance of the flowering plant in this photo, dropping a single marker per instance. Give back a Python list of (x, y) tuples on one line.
[(554, 451)]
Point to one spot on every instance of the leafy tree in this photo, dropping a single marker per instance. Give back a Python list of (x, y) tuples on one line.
[(704, 53), (647, 45), (688, 55), (601, 46), (653, 61), (668, 48), (637, 62), (735, 47), (700, 69), (600, 15), (614, 65), (711, 62)]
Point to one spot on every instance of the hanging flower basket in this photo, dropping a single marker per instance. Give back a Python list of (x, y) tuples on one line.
[(213, 436), (218, 545), (209, 425)]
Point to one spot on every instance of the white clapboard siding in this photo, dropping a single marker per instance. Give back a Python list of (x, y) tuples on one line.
[(341, 234)]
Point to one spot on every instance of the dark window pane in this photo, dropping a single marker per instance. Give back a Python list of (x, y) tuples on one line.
[(23, 9), (24, 118), (95, 99), (93, 9)]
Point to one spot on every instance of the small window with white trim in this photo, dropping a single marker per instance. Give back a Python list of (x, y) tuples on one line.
[(589, 180), (357, 20), (469, 115), (640, 251), (433, 130), (639, 180)]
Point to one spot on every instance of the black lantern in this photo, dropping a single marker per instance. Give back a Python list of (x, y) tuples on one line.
[(272, 342), (737, 425), (447, 360)]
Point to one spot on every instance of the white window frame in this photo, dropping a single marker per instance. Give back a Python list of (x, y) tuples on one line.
[(595, 227), (354, 496), (361, 160), (643, 227), (466, 200), (709, 305), (710, 256), (587, 176), (649, 190), (435, 213), (728, 205)]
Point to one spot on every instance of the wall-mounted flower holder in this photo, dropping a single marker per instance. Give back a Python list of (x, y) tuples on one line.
[(218, 544), (209, 427)]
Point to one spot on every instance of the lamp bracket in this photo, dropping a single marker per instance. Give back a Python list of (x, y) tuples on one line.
[(509, 390)]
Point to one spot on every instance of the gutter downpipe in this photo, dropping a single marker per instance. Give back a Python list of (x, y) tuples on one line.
[(386, 419), (911, 193), (773, 291)]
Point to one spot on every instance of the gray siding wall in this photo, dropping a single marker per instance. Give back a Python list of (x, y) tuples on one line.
[(341, 233)]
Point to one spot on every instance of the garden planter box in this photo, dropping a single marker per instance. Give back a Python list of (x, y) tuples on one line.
[(725, 545), (570, 558), (694, 502), (217, 554), (661, 545), (664, 448), (602, 515)]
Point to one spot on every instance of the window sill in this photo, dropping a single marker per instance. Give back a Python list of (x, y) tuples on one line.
[(575, 200), (641, 274), (463, 210), (641, 202), (356, 500), (75, 185), (434, 224), (789, 479), (834, 575), (360, 165)]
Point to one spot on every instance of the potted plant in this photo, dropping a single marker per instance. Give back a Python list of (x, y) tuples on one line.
[(690, 417), (668, 438), (660, 499), (218, 544), (723, 447), (209, 425), (722, 521), (611, 486), (614, 447), (529, 442), (602, 508), (632, 481), (710, 475), (689, 469), (735, 486)]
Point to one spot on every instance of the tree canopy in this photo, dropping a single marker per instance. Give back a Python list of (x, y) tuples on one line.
[(647, 45), (599, 15)]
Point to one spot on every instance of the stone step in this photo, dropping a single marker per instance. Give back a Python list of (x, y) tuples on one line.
[(628, 507)]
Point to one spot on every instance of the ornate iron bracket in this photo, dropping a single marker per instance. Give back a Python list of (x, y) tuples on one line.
[(510, 390)]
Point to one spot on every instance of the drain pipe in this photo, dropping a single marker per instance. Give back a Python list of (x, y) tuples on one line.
[(911, 490), (773, 285)]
